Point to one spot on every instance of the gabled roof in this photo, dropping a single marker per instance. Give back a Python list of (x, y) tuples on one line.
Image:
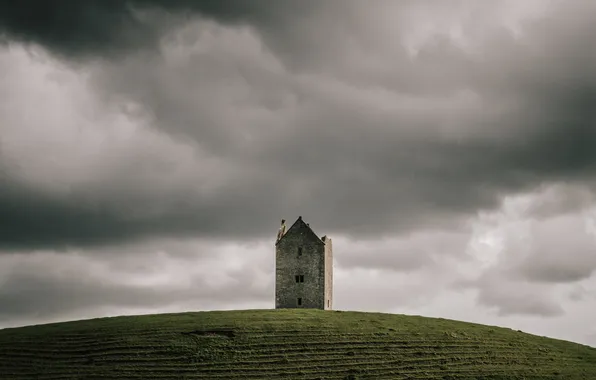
[(299, 223)]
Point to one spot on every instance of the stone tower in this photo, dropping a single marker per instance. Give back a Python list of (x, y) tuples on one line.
[(303, 269)]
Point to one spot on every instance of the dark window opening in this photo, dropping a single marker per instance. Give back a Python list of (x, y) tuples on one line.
[(299, 278), (299, 301), (299, 251)]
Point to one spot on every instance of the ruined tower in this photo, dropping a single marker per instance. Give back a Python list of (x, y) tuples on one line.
[(303, 269)]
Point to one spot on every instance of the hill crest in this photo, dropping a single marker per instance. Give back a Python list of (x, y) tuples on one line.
[(285, 344)]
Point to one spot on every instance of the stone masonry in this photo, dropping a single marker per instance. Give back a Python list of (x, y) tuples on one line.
[(303, 269)]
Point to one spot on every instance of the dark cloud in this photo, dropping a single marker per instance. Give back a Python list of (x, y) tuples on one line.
[(355, 150), (110, 28), (33, 219), (382, 159), (80, 283), (400, 159)]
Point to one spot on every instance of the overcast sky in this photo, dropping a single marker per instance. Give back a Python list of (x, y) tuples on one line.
[(148, 151)]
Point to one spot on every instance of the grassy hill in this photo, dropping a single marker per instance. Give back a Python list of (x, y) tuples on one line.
[(285, 344)]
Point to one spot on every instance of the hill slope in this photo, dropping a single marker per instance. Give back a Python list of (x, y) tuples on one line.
[(285, 344)]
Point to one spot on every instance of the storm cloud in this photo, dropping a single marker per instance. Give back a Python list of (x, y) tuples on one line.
[(112, 29), (262, 136)]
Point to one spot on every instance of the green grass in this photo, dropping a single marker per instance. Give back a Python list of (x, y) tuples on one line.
[(285, 344)]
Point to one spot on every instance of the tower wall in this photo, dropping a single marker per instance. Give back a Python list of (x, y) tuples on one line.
[(328, 273), (310, 263)]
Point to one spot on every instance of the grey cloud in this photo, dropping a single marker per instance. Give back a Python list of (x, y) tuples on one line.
[(579, 293), (378, 290), (560, 199), (557, 249), (417, 251), (33, 219), (360, 155), (28, 294), (29, 290), (516, 304), (510, 297), (560, 250), (536, 258), (93, 28), (413, 161)]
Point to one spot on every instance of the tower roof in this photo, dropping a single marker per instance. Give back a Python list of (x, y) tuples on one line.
[(299, 223)]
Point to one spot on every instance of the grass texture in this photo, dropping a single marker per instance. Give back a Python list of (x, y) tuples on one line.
[(285, 344)]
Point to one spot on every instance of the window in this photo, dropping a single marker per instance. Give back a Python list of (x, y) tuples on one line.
[(299, 278), (299, 251), (328, 303), (299, 301)]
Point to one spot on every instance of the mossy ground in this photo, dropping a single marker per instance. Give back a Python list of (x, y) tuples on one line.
[(285, 344)]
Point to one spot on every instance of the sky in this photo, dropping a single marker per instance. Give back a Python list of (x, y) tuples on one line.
[(149, 149)]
